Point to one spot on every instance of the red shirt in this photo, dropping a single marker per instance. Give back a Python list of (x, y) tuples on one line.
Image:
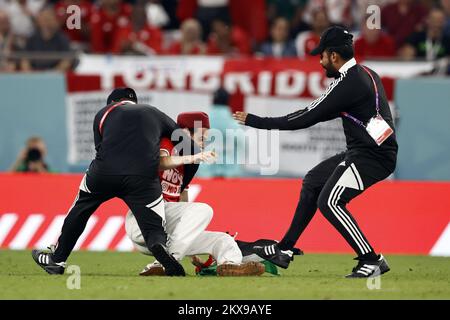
[(383, 47), (175, 48), (172, 179), (104, 27), (86, 11), (148, 35)]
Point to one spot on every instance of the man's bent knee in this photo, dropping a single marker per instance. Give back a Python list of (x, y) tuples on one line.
[(204, 211)]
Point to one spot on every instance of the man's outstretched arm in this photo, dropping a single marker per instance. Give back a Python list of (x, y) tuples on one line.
[(328, 106)]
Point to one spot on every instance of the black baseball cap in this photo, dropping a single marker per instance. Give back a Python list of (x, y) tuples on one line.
[(334, 36), (122, 94)]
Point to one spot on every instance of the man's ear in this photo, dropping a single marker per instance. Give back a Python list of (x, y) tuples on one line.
[(333, 57)]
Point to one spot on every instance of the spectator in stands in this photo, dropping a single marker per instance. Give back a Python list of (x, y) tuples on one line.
[(138, 36), (374, 43), (227, 40), (105, 21), (191, 39), (292, 10), (280, 44), (205, 11), (50, 39), (402, 18), (308, 40), (79, 37), (248, 15), (6, 43), (446, 7), (32, 157), (22, 14), (431, 43), (338, 11)]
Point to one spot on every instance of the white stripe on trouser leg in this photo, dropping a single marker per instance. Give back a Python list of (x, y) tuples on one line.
[(358, 177), (350, 221), (158, 207), (336, 214)]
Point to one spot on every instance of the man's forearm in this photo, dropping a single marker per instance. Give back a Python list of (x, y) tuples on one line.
[(265, 123), (293, 121), (171, 162)]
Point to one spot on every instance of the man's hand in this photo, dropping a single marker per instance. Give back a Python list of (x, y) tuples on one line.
[(205, 156), (240, 117)]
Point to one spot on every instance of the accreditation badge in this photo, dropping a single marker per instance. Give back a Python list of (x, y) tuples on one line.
[(379, 129)]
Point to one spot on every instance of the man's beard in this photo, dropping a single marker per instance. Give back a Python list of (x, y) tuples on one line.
[(331, 71)]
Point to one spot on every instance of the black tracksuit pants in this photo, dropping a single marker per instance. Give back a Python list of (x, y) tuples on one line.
[(330, 186), (141, 194)]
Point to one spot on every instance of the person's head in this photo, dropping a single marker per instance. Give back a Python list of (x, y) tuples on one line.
[(191, 30), (47, 21), (120, 94), (370, 35), (320, 21), (5, 25), (280, 30), (435, 22), (38, 143), (196, 124), (221, 97), (221, 28), (335, 48)]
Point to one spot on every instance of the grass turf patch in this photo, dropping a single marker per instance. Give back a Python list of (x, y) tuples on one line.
[(113, 275)]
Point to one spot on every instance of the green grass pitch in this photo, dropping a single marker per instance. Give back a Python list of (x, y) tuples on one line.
[(113, 275)]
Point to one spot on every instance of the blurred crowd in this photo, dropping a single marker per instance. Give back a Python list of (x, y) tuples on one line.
[(47, 34)]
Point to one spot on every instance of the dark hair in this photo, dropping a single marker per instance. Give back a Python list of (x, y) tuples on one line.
[(221, 97), (346, 51), (120, 94), (33, 154)]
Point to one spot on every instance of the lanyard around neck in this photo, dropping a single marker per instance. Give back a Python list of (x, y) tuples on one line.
[(377, 102), (102, 120)]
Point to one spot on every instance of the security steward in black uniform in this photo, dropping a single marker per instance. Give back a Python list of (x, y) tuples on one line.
[(357, 97), (127, 141)]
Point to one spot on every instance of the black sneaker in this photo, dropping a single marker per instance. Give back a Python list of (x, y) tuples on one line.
[(171, 266), (368, 269), (45, 261), (272, 253)]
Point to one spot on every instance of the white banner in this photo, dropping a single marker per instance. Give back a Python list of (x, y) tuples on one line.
[(82, 107), (299, 150)]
